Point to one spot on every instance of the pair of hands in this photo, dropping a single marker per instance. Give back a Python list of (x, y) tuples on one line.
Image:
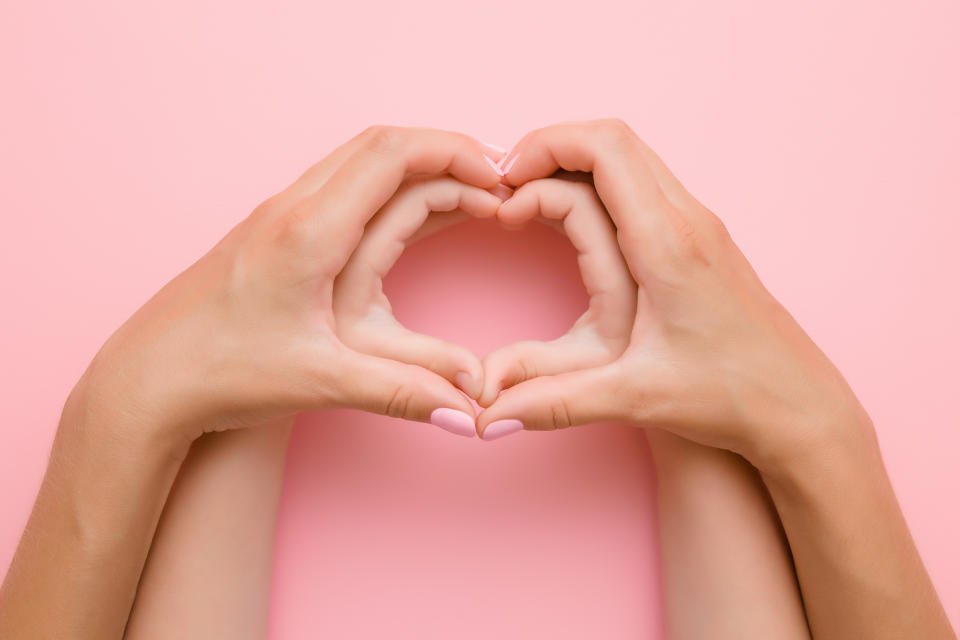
[(286, 312)]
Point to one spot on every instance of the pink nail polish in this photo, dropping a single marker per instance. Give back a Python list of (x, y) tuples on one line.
[(506, 168), (495, 147), (501, 428), (493, 164), (458, 422)]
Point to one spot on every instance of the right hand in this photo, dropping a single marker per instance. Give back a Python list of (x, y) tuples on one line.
[(712, 356)]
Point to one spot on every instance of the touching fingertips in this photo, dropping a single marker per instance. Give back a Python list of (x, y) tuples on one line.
[(501, 428), (502, 191), (469, 384), (495, 166), (505, 168), (456, 422)]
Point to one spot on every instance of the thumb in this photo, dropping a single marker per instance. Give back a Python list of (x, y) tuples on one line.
[(399, 390), (557, 402), (520, 361), (387, 338)]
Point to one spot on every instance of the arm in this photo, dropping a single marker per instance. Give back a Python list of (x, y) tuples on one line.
[(75, 571), (209, 568), (861, 572), (725, 566), (243, 337), (714, 358)]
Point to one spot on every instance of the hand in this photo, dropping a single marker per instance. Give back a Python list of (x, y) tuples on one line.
[(712, 356), (364, 318), (365, 323), (247, 334), (602, 333)]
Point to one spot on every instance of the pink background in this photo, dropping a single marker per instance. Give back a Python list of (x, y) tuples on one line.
[(134, 134)]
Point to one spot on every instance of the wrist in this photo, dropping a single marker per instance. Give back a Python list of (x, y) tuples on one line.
[(96, 416), (819, 451)]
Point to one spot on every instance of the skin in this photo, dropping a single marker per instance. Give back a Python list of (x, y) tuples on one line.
[(244, 337), (247, 336), (715, 359), (720, 539), (714, 517), (208, 572)]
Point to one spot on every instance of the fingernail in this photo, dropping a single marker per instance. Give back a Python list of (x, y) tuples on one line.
[(466, 383), (502, 191), (494, 147), (500, 428), (506, 168), (493, 164), (454, 421)]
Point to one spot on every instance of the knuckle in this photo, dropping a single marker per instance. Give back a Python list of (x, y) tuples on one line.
[(717, 226), (381, 138), (560, 416), (526, 369), (269, 208), (297, 226), (689, 244), (399, 402), (616, 131)]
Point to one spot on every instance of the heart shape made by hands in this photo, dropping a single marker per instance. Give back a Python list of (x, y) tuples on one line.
[(424, 205)]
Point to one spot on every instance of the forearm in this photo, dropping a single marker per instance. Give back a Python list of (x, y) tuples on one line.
[(75, 572), (859, 571), (208, 572), (725, 567)]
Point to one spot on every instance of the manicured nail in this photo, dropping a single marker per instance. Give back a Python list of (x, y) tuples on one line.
[(505, 169), (454, 421), (494, 147), (502, 191), (500, 428), (493, 164)]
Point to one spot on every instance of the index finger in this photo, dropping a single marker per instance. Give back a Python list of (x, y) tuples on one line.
[(384, 157), (633, 184)]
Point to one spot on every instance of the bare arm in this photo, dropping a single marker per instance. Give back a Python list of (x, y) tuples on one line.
[(861, 572), (208, 572), (714, 358), (725, 565), (76, 569), (244, 337)]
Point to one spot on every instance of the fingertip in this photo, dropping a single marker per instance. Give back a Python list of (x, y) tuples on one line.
[(501, 428), (456, 422), (507, 162), (470, 383), (494, 165), (502, 191)]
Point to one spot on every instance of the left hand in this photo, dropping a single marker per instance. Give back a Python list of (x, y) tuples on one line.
[(712, 356), (247, 334)]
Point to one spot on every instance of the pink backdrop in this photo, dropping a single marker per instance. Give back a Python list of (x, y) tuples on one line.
[(825, 135)]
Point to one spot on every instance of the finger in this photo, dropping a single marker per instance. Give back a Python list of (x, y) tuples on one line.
[(437, 222), (515, 363), (359, 284), (390, 231), (602, 333), (404, 391), (335, 216), (629, 184), (556, 402), (389, 339), (585, 221), (367, 325)]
